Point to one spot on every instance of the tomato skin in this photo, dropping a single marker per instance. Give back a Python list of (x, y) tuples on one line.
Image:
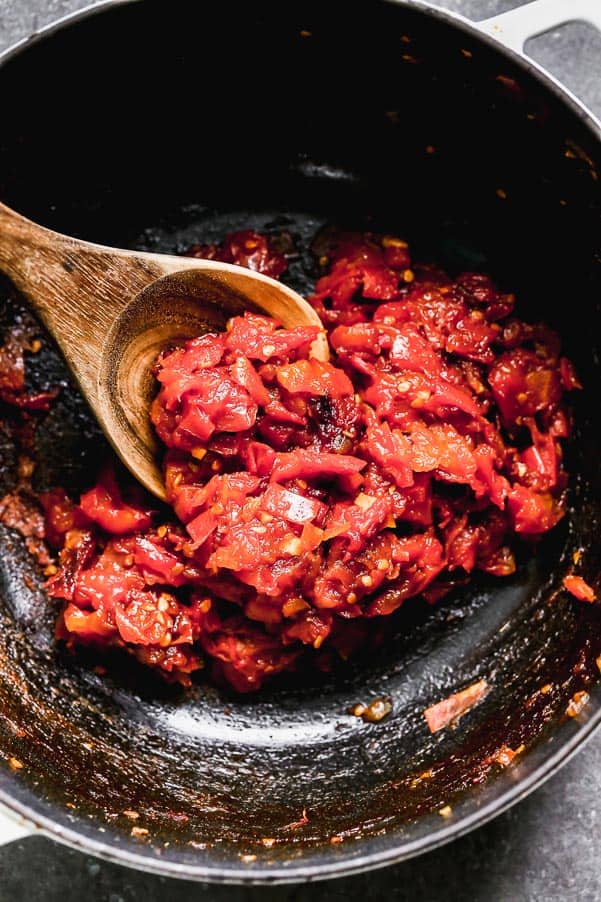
[(258, 338), (314, 378), (311, 499), (314, 465), (295, 508)]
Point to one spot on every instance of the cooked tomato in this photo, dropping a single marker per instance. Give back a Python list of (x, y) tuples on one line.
[(311, 498)]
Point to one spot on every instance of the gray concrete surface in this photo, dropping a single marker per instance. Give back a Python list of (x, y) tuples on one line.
[(546, 849)]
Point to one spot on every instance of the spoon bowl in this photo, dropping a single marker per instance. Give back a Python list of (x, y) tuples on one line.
[(112, 312)]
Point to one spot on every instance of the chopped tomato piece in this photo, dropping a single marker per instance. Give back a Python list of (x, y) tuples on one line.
[(105, 506), (314, 465)]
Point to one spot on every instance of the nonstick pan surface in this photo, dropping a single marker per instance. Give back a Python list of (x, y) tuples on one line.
[(157, 126)]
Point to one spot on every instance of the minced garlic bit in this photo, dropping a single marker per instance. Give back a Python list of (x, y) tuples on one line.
[(292, 546), (364, 501), (446, 811), (421, 397)]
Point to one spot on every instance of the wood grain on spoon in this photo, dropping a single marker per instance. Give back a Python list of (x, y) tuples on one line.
[(113, 311)]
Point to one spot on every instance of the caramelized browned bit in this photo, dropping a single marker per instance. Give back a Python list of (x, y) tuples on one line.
[(21, 511), (377, 710), (577, 703), (268, 841), (139, 831)]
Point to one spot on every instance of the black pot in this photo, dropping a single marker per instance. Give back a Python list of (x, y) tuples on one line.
[(152, 125)]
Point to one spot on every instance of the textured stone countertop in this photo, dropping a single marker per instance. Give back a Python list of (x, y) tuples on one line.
[(546, 849)]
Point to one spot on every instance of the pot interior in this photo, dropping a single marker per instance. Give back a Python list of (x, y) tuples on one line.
[(155, 129)]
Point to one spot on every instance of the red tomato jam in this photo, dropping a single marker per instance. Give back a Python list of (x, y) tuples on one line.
[(311, 498)]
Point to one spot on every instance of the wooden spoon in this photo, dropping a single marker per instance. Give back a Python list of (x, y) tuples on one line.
[(113, 311)]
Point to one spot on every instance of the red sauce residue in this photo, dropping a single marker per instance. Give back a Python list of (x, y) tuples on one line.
[(21, 511), (21, 338), (310, 498)]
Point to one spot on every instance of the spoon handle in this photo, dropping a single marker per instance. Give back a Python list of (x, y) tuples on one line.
[(77, 289)]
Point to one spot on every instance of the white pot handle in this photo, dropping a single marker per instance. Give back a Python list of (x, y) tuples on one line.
[(12, 827), (515, 27)]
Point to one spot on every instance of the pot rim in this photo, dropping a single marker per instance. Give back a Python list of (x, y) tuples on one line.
[(339, 865)]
